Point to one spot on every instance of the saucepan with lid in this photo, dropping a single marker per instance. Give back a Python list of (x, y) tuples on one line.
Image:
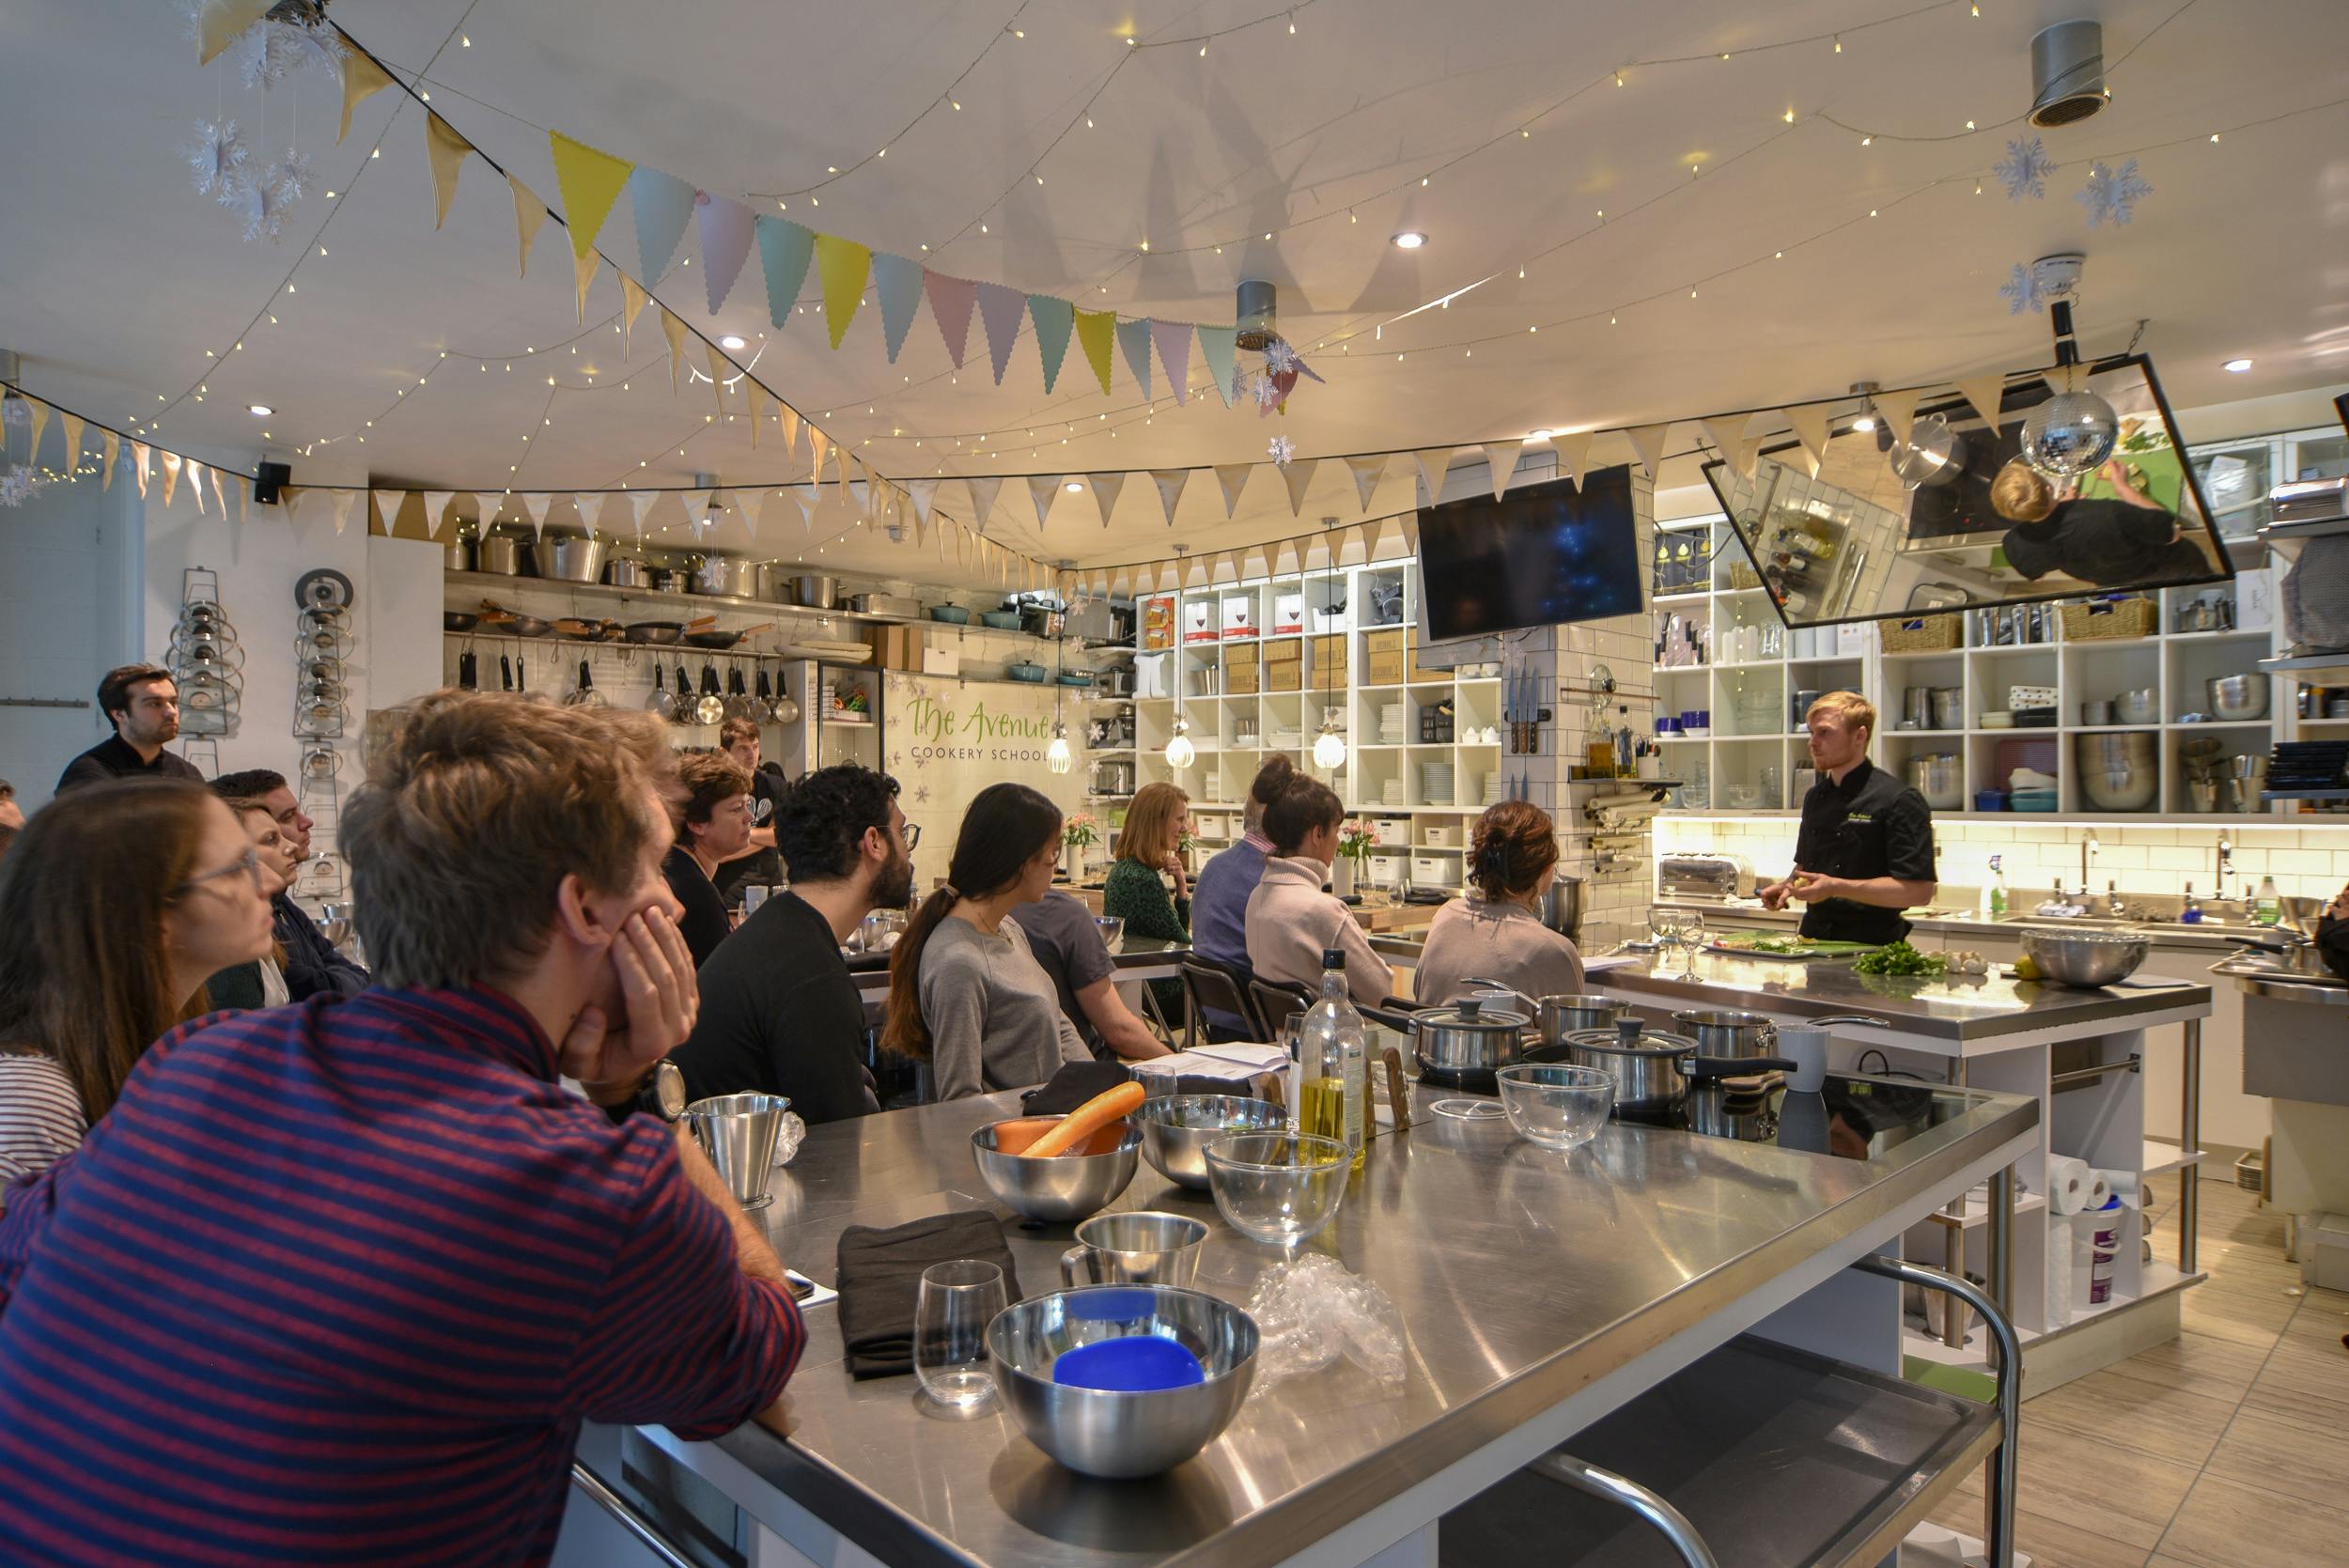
[(1554, 1016), (1469, 1036), (1652, 1071)]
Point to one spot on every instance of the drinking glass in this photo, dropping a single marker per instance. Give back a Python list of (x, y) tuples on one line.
[(1663, 924), (1691, 937), (957, 1301)]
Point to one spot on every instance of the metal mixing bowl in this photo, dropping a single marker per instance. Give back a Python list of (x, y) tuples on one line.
[(2118, 770), (2238, 696), (1122, 1435), (2086, 958), (1177, 1128), (1065, 1187)]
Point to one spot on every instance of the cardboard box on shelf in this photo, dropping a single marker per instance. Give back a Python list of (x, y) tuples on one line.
[(1158, 622), (1329, 652), (1376, 643), (1240, 654), (1242, 680), (895, 647), (1283, 650), (1285, 676), (1384, 669)]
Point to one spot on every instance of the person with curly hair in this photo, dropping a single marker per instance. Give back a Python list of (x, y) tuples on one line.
[(1496, 932)]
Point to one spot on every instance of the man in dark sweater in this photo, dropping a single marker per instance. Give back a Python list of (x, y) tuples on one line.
[(780, 1014), (2111, 543), (313, 964), (141, 703)]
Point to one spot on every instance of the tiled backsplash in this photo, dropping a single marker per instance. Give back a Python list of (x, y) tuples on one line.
[(2310, 863)]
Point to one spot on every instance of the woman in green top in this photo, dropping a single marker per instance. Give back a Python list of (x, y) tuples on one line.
[(1154, 824)]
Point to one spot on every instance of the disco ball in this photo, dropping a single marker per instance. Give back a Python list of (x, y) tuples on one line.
[(2070, 434)]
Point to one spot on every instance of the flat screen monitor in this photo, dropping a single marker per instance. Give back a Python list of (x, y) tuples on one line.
[(1538, 557)]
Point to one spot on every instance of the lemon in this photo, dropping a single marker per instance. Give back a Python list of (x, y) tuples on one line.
[(2025, 969)]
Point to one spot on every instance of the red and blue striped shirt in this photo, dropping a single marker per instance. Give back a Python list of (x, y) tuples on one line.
[(340, 1282)]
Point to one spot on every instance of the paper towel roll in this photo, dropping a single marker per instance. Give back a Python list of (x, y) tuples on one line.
[(2127, 1186), (2069, 1182), (2099, 1190)]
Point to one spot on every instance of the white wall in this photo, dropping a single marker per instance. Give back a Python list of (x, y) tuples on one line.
[(69, 599)]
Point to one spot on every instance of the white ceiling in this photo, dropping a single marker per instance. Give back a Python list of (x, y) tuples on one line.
[(115, 278)]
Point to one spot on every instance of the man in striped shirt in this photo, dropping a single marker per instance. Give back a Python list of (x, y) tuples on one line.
[(340, 1282)]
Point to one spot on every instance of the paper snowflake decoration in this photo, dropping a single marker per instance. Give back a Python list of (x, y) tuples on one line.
[(1268, 395), (2025, 169), (20, 484), (220, 160), (2021, 291), (2113, 194), (262, 205), (1280, 450), (272, 51), (1279, 357), (290, 175)]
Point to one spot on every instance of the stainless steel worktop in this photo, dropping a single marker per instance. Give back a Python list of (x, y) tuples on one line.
[(2209, 936), (1523, 1277)]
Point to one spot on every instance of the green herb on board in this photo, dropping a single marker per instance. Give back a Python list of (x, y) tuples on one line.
[(1899, 958)]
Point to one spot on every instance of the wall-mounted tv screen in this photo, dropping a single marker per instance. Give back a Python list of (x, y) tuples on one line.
[(1540, 556)]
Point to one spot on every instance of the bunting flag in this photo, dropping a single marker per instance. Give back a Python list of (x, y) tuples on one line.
[(1000, 310), (1133, 341), (529, 213), (1105, 489), (388, 506), (1054, 320), (1988, 393), (1041, 489), (39, 411), (590, 182), (806, 503), (728, 228), (1367, 471), (759, 397), (219, 23), (446, 149), (582, 278), (220, 496), (632, 301), (641, 502), (1501, 465), (342, 500), (1297, 475), (715, 362), (842, 267), (697, 513), (1574, 457), (1174, 343), (1728, 435), (140, 456), (590, 504), (1435, 464), (362, 80), (785, 249), (789, 419), (289, 498), (673, 330), (172, 461), (1218, 347), (982, 488), (195, 487), (1898, 410), (922, 494), (436, 511), (1232, 478), (662, 204), (818, 444), (840, 456), (244, 494), (534, 508), (1648, 442), (898, 285), (1170, 482), (1097, 331), (1810, 425), (72, 425), (951, 301), (111, 446)]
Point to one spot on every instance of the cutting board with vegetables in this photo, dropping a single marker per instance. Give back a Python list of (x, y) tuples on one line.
[(1793, 950)]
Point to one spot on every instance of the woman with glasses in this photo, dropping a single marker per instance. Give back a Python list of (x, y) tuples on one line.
[(262, 982), (115, 902)]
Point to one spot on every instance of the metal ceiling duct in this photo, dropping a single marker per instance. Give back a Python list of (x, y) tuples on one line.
[(2067, 73), (1257, 306)]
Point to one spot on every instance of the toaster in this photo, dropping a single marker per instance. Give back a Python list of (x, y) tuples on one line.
[(2310, 500), (1704, 876)]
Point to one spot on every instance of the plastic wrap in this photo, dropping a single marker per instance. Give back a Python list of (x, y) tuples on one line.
[(1311, 1311)]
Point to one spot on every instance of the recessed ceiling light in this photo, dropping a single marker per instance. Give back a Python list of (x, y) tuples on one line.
[(1540, 435), (732, 340), (2237, 366), (1073, 487), (1410, 239), (262, 410)]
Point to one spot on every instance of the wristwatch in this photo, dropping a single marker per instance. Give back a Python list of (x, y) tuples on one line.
[(663, 1093)]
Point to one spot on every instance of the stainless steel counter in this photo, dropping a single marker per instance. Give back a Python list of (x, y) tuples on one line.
[(1537, 1292), (2209, 936)]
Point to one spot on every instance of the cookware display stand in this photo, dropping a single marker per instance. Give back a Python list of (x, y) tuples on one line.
[(206, 663), (322, 599)]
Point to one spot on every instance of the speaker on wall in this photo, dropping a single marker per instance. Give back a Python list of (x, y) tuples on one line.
[(267, 480)]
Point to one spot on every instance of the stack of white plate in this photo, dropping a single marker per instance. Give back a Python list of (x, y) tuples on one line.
[(1493, 789), (1436, 782), (1392, 717)]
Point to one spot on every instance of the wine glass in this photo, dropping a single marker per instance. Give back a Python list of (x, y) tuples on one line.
[(1691, 937), (957, 1300), (1663, 926)]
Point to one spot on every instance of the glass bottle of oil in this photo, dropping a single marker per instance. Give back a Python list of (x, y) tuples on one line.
[(1333, 1094)]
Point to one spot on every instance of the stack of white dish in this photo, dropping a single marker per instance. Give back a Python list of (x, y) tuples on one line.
[(1436, 779), (1391, 719), (1393, 793)]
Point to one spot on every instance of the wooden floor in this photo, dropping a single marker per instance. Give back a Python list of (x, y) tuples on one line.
[(2228, 1448)]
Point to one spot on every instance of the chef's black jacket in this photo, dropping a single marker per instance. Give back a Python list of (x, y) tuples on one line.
[(115, 758), (1870, 825)]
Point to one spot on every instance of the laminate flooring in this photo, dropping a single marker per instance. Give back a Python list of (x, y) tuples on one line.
[(2226, 1448)]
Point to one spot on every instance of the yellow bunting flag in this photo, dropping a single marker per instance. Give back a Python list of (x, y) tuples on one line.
[(173, 463), (41, 421), (446, 149), (673, 330), (529, 212), (1096, 333), (1809, 421), (1988, 393), (362, 80), (632, 300), (220, 22), (758, 396), (111, 446), (590, 182), (843, 265), (582, 276), (72, 423), (717, 369)]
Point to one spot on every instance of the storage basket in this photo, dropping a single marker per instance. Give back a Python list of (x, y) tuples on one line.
[(1924, 634), (2104, 620)]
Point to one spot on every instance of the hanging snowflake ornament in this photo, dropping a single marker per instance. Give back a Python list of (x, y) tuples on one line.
[(20, 484), (2025, 169), (2021, 291), (273, 49), (220, 160), (291, 173), (1280, 450), (2113, 194), (262, 205)]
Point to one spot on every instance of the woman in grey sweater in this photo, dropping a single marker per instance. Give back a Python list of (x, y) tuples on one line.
[(1496, 933), (965, 993)]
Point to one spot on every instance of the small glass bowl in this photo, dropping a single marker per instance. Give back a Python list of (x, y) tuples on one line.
[(1280, 1188), (1557, 1107)]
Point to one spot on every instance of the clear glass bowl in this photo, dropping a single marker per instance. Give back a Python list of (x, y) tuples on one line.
[(1557, 1107), (1280, 1188)]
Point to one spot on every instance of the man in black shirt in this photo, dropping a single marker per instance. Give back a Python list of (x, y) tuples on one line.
[(713, 826), (313, 964), (759, 865), (142, 704), (1864, 851), (778, 1012), (2113, 543)]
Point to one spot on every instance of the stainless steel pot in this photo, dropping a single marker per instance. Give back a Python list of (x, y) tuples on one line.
[(627, 572), (815, 591), (1721, 1031), (1468, 1036), (1561, 907), (1038, 620), (2118, 770), (457, 555), (1935, 775), (775, 582), (1557, 1016), (1652, 1071), (569, 557), (726, 574), (501, 553)]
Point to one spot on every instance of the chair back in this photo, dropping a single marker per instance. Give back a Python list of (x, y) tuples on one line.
[(1278, 1001), (1211, 983)]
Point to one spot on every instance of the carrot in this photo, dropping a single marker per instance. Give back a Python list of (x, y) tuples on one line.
[(1088, 1119)]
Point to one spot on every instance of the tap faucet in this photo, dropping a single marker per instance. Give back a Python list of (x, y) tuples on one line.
[(2226, 865), (2090, 846)]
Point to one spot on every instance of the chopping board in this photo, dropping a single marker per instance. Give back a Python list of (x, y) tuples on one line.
[(1811, 951)]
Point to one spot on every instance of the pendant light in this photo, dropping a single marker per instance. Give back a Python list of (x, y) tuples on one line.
[(1056, 755), (1330, 746), (1180, 753)]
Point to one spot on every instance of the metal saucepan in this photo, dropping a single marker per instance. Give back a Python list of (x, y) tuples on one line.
[(660, 705), (1468, 1036), (726, 574), (627, 572), (1719, 1031), (683, 712), (457, 555), (815, 590), (457, 620), (501, 553), (711, 706), (738, 696), (663, 633), (569, 557), (1556, 1017), (1652, 1071)]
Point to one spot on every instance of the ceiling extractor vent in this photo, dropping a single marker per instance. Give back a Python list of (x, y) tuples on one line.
[(1258, 309), (2067, 73)]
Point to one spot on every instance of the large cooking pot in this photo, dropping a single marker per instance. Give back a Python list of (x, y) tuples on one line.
[(815, 591), (1652, 1071), (569, 557), (501, 553), (1721, 1031), (1468, 1036), (1561, 907), (1557, 1016), (775, 582), (627, 572), (457, 555), (726, 574)]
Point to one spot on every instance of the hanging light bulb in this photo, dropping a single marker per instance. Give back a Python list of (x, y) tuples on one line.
[(1330, 746), (1179, 751), (1056, 755)]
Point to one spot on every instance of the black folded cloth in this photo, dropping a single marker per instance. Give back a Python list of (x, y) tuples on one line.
[(880, 1282), (1079, 1081)]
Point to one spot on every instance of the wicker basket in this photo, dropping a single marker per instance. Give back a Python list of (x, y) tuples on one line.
[(1926, 634), (1743, 576), (2107, 620)]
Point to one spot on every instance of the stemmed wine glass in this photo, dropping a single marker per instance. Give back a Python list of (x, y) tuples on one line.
[(1691, 939)]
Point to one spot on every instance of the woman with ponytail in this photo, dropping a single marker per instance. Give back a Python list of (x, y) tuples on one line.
[(965, 993), (1496, 932)]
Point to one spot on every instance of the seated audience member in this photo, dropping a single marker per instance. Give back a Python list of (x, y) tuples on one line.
[(116, 902), (1291, 921), (258, 981), (142, 702), (780, 1012), (313, 964), (378, 1260), (1067, 942), (1218, 899), (965, 993), (1148, 846), (759, 863), (11, 814), (713, 825), (1496, 932)]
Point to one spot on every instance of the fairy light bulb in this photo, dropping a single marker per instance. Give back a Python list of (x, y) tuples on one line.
[(1056, 756), (1330, 746), (1179, 751)]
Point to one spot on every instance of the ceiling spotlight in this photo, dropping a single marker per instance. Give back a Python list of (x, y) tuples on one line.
[(1072, 487), (1410, 239), (731, 341), (262, 410), (1540, 435), (2237, 366), (1865, 422)]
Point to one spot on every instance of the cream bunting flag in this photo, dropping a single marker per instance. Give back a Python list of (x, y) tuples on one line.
[(243, 488), (1170, 482), (1232, 478), (750, 504), (1574, 460), (1105, 489), (446, 149), (1809, 421), (195, 486), (716, 363), (673, 330), (1367, 470), (1898, 410), (535, 507), (342, 500), (1648, 442), (639, 503), (840, 456), (818, 444), (921, 492), (436, 511), (590, 182), (805, 501), (982, 488), (289, 499), (111, 446), (758, 397), (1041, 489), (1434, 463), (1501, 463), (1297, 475), (40, 411), (72, 425), (220, 23), (140, 459), (388, 506), (582, 278), (1727, 432), (788, 417), (590, 505), (220, 496), (172, 461), (1988, 393), (362, 80), (697, 513), (530, 215), (632, 301)]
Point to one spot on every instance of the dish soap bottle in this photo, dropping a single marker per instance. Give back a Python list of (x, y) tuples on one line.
[(2269, 909), (2192, 913), (1331, 1046), (1998, 887)]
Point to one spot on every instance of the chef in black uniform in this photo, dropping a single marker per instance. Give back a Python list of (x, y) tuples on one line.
[(1865, 849)]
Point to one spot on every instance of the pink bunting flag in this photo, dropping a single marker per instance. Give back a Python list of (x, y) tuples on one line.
[(727, 229), (1001, 308), (1173, 341), (951, 300)]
